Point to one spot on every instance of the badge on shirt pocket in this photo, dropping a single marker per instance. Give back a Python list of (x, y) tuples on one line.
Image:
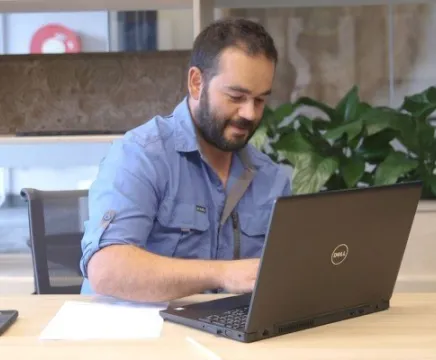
[(200, 209)]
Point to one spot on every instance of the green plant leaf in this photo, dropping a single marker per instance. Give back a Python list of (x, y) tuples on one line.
[(330, 112), (336, 182), (351, 129), (318, 142), (321, 124), (347, 107), (282, 112), (292, 145), (352, 170), (420, 103), (305, 121), (260, 137), (311, 172), (407, 131), (426, 135), (379, 118), (267, 117), (362, 109), (425, 112), (367, 178), (267, 111), (396, 165), (376, 148)]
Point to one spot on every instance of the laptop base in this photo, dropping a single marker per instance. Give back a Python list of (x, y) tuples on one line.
[(192, 316)]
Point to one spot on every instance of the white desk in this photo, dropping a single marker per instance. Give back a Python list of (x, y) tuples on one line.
[(406, 331)]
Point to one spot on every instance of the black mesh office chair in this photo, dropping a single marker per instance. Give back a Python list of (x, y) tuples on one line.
[(56, 229)]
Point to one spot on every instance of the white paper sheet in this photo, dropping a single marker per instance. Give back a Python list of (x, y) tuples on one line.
[(105, 318)]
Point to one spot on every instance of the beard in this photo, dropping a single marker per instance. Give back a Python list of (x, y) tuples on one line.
[(211, 126)]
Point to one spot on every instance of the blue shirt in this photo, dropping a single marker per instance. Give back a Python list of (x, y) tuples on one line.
[(155, 191)]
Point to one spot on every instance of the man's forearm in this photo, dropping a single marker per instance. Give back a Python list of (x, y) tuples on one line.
[(134, 274)]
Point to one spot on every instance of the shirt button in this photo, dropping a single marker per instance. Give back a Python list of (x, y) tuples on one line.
[(108, 215)]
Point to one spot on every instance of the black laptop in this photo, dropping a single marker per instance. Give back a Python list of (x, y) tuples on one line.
[(328, 257)]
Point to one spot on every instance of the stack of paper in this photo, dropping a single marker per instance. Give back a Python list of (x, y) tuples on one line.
[(105, 319)]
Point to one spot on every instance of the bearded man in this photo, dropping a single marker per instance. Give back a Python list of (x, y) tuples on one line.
[(181, 204)]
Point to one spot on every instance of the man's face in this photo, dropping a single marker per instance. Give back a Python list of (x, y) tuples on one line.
[(231, 104)]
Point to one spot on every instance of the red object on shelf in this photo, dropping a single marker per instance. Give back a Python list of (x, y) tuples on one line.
[(54, 39)]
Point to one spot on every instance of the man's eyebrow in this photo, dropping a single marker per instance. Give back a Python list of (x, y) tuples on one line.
[(246, 91)]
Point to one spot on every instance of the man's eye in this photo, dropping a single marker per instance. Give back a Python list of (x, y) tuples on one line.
[(236, 98)]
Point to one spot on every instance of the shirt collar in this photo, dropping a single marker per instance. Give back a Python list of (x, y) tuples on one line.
[(186, 137)]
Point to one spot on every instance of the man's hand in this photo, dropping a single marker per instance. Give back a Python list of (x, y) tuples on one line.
[(239, 276)]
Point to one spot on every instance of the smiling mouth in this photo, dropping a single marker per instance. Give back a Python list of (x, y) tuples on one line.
[(239, 130)]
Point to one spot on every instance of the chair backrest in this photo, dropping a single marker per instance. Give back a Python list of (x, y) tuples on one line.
[(56, 220)]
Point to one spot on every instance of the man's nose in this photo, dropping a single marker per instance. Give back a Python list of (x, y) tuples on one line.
[(248, 111)]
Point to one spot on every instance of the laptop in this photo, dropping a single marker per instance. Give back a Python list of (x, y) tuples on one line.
[(328, 257)]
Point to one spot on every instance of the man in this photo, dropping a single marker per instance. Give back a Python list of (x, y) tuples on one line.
[(156, 230)]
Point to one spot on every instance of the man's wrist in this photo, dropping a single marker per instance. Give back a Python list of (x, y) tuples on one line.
[(217, 271)]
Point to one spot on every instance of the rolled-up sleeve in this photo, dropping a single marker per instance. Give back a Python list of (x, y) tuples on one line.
[(122, 200)]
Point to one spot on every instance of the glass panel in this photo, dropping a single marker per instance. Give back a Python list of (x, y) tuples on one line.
[(95, 31)]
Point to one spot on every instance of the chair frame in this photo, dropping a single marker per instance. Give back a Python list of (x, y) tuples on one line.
[(35, 199)]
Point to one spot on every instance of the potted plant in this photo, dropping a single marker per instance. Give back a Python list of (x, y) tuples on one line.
[(352, 144), (416, 133)]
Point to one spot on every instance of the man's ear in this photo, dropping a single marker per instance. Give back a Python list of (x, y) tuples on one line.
[(195, 82)]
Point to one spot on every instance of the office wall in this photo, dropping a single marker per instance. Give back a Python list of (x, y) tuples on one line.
[(89, 92), (387, 51), (175, 29)]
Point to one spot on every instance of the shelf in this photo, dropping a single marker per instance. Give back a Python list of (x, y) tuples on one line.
[(305, 3), (20, 140), (126, 5), (82, 5), (53, 151)]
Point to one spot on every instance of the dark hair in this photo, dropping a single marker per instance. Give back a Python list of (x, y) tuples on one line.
[(230, 32)]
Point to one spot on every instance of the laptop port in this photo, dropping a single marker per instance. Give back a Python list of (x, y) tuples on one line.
[(265, 332)]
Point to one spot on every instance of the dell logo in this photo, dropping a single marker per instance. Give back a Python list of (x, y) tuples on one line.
[(339, 254)]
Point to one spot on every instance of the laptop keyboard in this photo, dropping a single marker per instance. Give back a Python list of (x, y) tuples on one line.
[(233, 319)]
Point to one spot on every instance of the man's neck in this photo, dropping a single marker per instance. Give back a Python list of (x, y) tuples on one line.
[(220, 161)]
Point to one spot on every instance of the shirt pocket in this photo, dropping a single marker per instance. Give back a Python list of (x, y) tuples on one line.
[(254, 226), (182, 230)]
